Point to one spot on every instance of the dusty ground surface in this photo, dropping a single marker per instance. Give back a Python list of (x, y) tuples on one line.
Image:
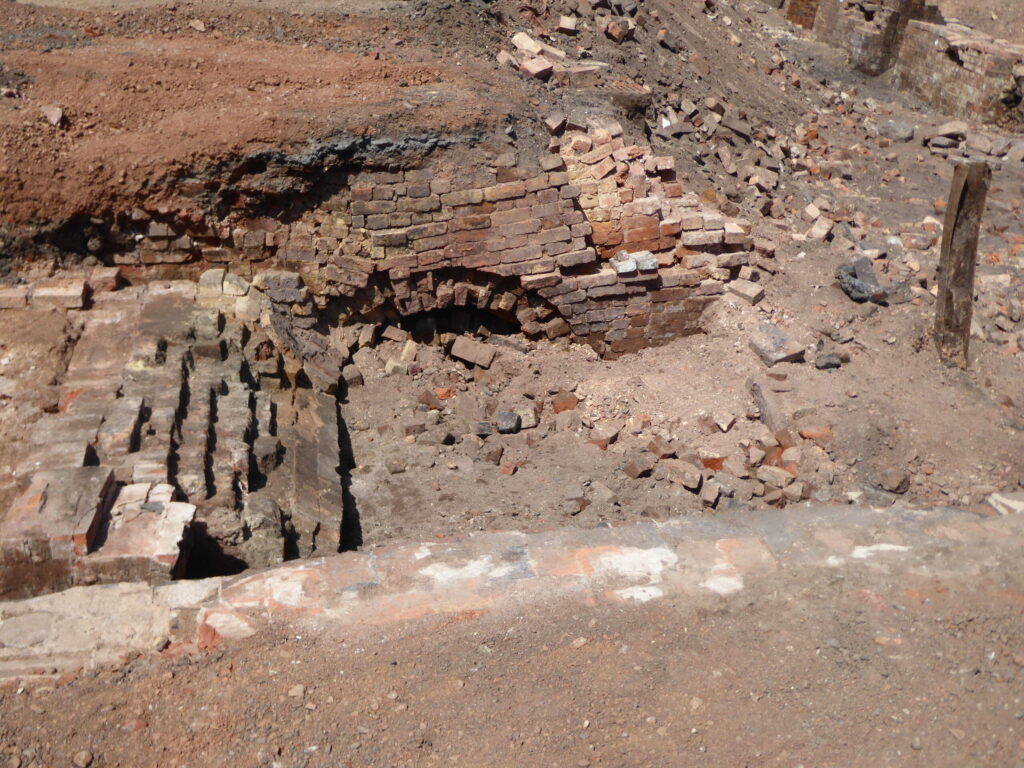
[(853, 665), (788, 673), (996, 17)]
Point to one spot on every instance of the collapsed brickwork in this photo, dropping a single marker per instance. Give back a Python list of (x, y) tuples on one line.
[(602, 244), (178, 446), (964, 72)]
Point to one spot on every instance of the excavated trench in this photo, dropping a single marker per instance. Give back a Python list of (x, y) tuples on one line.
[(255, 285)]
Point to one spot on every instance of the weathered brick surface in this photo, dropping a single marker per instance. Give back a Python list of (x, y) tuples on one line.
[(963, 72), (870, 32), (802, 12)]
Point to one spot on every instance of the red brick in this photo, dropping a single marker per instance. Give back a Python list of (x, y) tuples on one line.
[(509, 217), (603, 168), (426, 230), (473, 221), (505, 191)]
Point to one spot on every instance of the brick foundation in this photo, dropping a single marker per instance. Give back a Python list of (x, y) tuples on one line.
[(964, 72), (871, 32)]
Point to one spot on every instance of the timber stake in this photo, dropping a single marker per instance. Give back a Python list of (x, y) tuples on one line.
[(959, 256)]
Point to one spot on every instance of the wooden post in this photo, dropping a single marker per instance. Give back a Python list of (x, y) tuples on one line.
[(956, 266)]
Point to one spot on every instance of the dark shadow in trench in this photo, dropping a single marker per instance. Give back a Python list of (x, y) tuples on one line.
[(351, 537)]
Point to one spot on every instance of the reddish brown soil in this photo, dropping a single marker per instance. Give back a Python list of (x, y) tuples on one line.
[(143, 108)]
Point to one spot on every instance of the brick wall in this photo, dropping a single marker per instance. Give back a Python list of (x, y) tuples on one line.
[(963, 72), (871, 32), (600, 241)]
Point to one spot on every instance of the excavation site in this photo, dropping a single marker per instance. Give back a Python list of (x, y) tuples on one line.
[(511, 382)]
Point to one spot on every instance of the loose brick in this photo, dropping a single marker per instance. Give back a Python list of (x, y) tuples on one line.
[(576, 258), (543, 280)]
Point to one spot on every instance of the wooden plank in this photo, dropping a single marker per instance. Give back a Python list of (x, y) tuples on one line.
[(959, 257)]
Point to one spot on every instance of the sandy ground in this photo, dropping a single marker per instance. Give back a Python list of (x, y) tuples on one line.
[(860, 668)]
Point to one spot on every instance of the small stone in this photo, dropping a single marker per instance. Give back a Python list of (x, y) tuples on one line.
[(483, 429), (555, 123), (395, 367), (492, 454), (413, 428), (893, 480), (710, 493), (602, 494), (859, 282), (527, 417), (793, 492), (682, 472), (896, 131), (54, 115), (724, 420), (82, 759), (296, 691), (641, 465), (394, 333), (395, 465), (821, 230), (409, 350), (352, 376), (661, 448), (828, 362), (508, 422), (954, 129), (774, 476), (915, 743)]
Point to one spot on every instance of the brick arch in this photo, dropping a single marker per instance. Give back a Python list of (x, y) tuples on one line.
[(513, 300)]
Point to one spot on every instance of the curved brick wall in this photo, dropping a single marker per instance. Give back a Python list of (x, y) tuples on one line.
[(598, 240)]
